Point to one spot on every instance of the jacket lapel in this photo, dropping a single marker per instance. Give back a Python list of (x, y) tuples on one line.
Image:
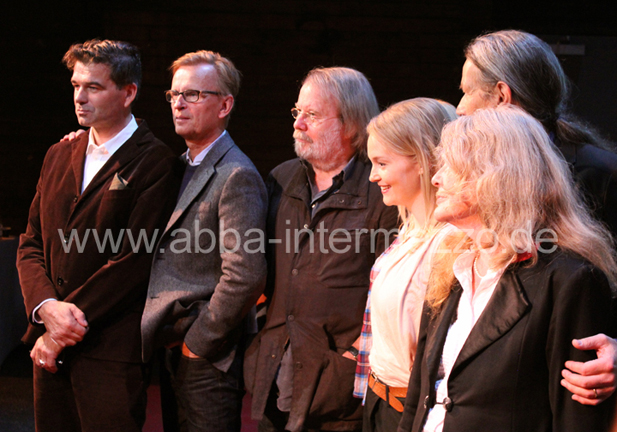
[(202, 176), (298, 187), (126, 153), (78, 159), (439, 331), (505, 308)]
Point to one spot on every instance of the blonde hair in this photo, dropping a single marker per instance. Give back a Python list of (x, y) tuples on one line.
[(357, 103), (413, 128), (228, 77), (507, 165)]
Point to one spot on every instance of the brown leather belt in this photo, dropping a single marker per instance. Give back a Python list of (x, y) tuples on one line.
[(387, 393)]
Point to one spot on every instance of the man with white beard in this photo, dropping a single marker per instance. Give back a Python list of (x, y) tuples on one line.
[(326, 224)]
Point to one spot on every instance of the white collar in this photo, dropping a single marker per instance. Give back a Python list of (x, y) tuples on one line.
[(200, 157), (109, 147)]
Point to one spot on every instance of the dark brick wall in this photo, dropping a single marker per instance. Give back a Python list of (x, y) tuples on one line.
[(406, 49)]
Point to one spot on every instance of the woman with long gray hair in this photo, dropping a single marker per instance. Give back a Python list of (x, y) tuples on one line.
[(528, 272)]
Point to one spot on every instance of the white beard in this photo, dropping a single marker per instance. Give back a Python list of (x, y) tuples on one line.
[(325, 155)]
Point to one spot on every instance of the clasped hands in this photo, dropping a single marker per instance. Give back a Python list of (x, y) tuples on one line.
[(65, 325)]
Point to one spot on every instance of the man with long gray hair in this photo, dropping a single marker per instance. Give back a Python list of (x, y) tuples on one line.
[(514, 67)]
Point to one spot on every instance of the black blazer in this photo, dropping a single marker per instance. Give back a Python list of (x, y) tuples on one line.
[(507, 375)]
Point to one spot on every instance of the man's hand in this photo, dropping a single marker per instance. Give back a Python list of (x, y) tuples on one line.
[(349, 356), (352, 351), (65, 322), (186, 352), (592, 382), (71, 136), (45, 352)]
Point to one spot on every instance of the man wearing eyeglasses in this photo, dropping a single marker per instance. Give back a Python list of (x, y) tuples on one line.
[(326, 223), (83, 273), (209, 267)]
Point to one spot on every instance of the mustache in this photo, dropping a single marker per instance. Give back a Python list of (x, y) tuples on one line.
[(302, 136)]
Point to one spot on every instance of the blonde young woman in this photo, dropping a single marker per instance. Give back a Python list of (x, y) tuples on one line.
[(504, 305), (401, 147)]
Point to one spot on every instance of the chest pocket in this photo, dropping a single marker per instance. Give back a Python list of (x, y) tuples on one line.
[(345, 259), (115, 208)]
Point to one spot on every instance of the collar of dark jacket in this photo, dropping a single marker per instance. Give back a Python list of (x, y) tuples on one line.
[(125, 154), (351, 195)]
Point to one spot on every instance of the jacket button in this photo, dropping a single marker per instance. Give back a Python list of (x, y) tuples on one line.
[(66, 238), (75, 198), (273, 355), (294, 272), (448, 404), (291, 317), (306, 226), (427, 402), (60, 281)]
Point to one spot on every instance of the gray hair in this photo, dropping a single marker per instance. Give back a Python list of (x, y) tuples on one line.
[(520, 187), (536, 79), (356, 100), (528, 66)]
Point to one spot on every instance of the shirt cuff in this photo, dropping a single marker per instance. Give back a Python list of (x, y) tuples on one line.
[(35, 315)]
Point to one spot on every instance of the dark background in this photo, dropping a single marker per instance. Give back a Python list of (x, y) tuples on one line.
[(405, 48)]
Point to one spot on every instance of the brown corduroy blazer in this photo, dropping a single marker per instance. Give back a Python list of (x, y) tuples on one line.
[(59, 256)]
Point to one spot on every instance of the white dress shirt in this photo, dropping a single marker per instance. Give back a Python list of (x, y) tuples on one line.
[(98, 155), (202, 154), (470, 307)]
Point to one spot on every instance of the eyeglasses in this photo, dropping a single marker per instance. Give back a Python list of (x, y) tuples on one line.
[(190, 96), (309, 117)]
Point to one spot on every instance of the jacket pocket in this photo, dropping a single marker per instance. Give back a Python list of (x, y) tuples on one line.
[(115, 209), (334, 392), (346, 259)]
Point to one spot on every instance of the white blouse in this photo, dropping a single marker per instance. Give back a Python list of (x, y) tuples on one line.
[(397, 296), (470, 307)]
